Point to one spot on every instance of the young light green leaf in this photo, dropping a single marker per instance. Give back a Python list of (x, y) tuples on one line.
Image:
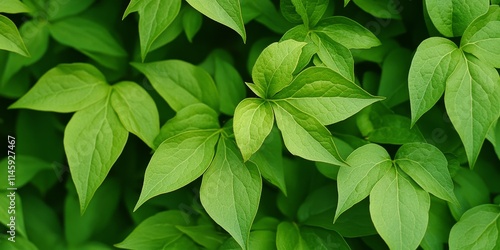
[(368, 164), (66, 88), (428, 167), (180, 83), (451, 17), (482, 37), (35, 35), (380, 8), (197, 116), (13, 6), (136, 110), (347, 32), (253, 121), (399, 210), (226, 12), (274, 68), (191, 21), (10, 39), (93, 140), (310, 11), (178, 161), (472, 95), (434, 61), (155, 232), (155, 17), (230, 192), (88, 37), (288, 237), (325, 95), (334, 55), (269, 160), (478, 228), (304, 135)]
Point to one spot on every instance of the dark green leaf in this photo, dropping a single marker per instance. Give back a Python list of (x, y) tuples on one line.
[(288, 237), (380, 8), (30, 167)]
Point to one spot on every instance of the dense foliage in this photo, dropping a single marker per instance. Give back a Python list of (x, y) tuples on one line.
[(250, 124)]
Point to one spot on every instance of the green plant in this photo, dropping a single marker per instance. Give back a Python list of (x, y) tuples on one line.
[(286, 124)]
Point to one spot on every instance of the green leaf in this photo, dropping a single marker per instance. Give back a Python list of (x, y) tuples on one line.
[(482, 37), (472, 97), (226, 12), (368, 164), (155, 17), (193, 117), (394, 129), (494, 137), (13, 7), (229, 84), (428, 167), (269, 160), (334, 55), (310, 11), (289, 12), (264, 12), (156, 232), (180, 83), (230, 192), (399, 210), (451, 17), (36, 38), (191, 21), (434, 61), (58, 9), (477, 229), (253, 121), (394, 77), (470, 190), (440, 223), (20, 244), (178, 161), (275, 66), (325, 95), (288, 237), (78, 228), (318, 238), (30, 167), (385, 9), (93, 140), (88, 37), (304, 135), (136, 110), (10, 39), (205, 235), (66, 88), (9, 210), (347, 32)]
